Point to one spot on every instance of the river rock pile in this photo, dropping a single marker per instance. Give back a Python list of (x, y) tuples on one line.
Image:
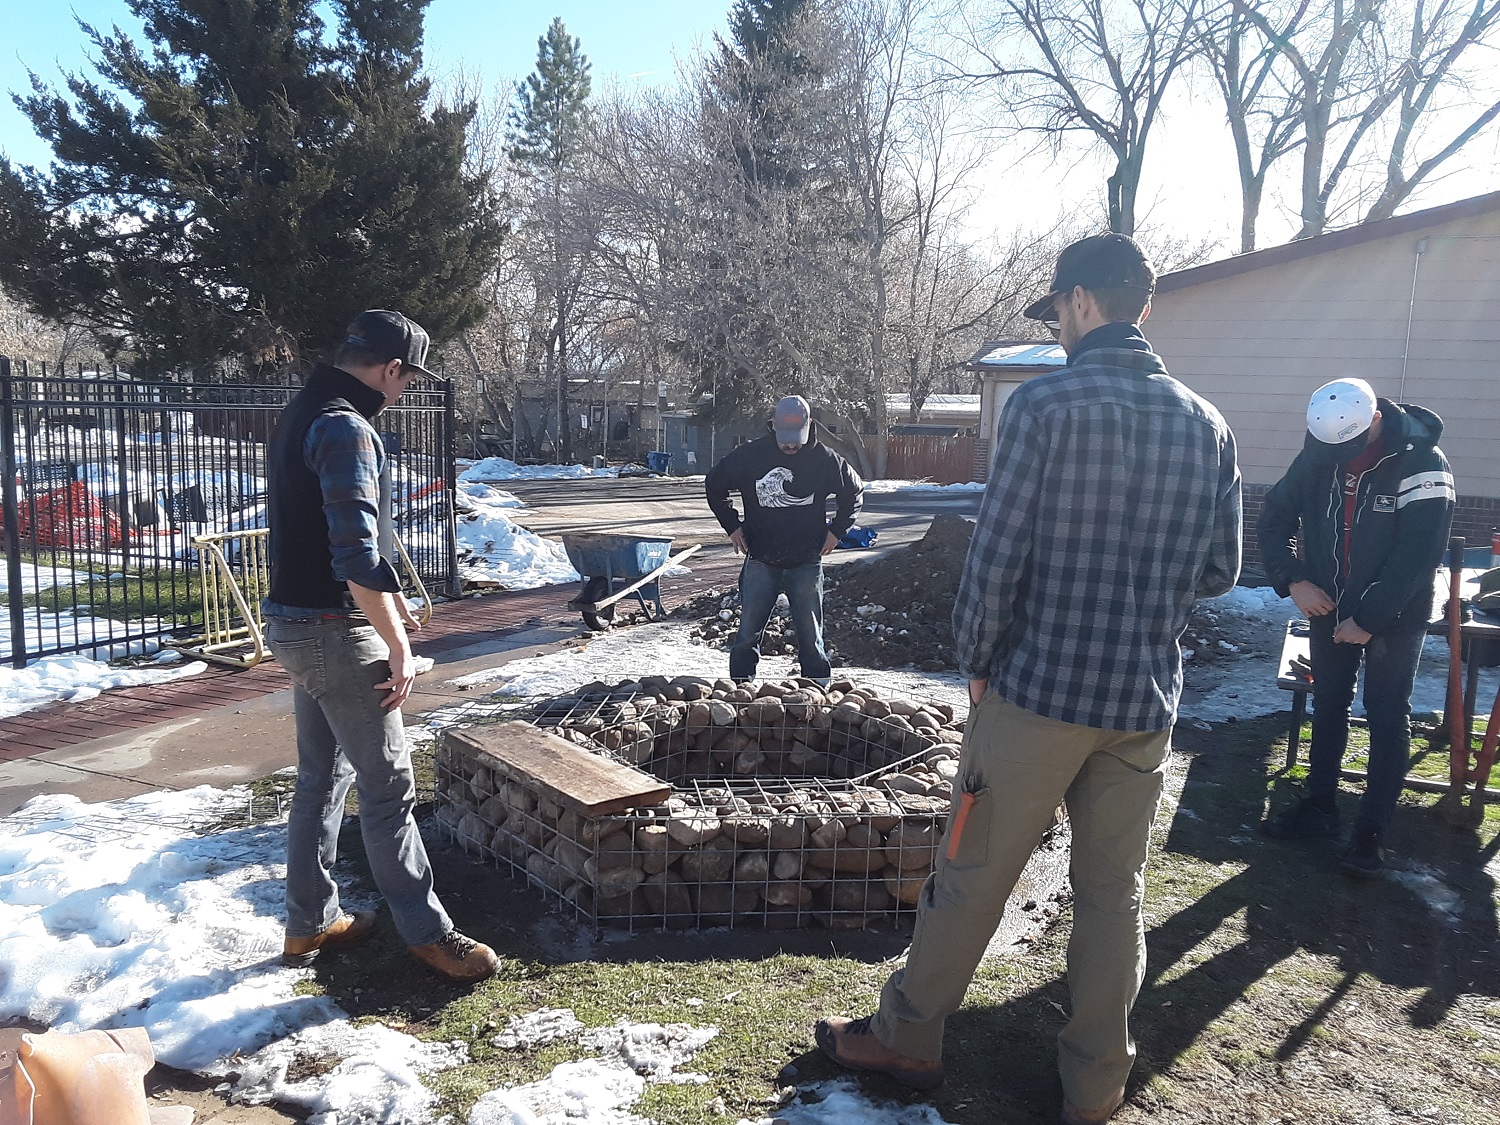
[(791, 803)]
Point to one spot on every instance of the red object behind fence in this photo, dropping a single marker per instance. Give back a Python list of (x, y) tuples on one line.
[(70, 516)]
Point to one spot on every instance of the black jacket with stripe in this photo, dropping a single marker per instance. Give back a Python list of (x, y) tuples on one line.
[(1402, 512)]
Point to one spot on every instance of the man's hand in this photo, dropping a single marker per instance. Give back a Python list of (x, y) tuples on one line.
[(830, 543), (403, 676), (737, 537), (408, 618), (1311, 599), (977, 690), (1348, 633)]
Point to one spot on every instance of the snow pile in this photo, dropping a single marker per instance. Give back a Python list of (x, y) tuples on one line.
[(498, 468), (589, 1092), (377, 1076), (546, 1025), (493, 548), (897, 485), (48, 630), (652, 1049), (598, 1091), (75, 678)]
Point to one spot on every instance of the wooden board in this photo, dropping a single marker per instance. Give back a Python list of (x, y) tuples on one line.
[(589, 784)]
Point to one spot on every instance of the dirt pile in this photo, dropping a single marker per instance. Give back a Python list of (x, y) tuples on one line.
[(891, 611)]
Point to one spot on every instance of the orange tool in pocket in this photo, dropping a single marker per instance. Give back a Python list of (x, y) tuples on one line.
[(965, 805)]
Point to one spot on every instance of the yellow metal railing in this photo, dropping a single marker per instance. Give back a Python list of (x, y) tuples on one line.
[(232, 584)]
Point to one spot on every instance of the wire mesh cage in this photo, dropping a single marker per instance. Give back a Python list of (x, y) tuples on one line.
[(785, 804)]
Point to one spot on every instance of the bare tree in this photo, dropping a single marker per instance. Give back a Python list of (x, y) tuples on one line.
[(1101, 67), (1261, 103), (1439, 40)]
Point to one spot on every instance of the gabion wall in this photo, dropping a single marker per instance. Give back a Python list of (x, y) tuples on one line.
[(791, 804)]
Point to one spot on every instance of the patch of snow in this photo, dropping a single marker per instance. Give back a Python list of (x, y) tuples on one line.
[(76, 678), (588, 1092), (35, 577), (378, 1076), (499, 468), (841, 1102), (897, 485), (124, 914), (599, 1091), (546, 1025), (651, 1049), (98, 637)]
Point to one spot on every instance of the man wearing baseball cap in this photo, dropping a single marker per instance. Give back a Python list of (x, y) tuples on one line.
[(1352, 533), (784, 481), (336, 620), (1113, 505)]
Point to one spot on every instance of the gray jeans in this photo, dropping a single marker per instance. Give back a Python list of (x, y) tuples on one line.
[(344, 737)]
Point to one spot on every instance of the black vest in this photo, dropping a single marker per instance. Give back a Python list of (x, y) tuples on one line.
[(300, 556)]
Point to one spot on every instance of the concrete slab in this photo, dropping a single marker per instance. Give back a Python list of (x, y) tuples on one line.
[(26, 778)]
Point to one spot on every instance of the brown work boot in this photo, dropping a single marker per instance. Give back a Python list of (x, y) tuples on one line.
[(347, 930), (1073, 1115), (457, 957), (852, 1044)]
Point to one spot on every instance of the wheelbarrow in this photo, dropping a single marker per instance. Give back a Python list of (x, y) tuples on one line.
[(617, 566)]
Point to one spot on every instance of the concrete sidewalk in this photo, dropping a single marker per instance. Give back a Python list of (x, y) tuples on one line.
[(236, 742)]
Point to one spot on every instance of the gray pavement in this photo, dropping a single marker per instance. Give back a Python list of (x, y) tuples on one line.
[(233, 744), (675, 506)]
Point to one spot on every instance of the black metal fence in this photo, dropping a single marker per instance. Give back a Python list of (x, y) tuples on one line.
[(106, 480)]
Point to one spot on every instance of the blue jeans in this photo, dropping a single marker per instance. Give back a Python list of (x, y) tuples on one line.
[(344, 737), (1390, 661), (803, 587)]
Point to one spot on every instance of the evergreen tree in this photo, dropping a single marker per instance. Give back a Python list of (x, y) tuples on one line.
[(551, 110), (548, 132), (246, 183)]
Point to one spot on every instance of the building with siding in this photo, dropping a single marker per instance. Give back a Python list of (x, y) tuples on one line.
[(1409, 304)]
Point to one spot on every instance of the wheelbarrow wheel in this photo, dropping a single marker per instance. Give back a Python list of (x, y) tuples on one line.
[(594, 590)]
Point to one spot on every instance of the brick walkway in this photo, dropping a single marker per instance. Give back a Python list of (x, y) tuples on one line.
[(454, 625)]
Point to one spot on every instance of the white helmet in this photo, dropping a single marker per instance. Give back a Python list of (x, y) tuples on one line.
[(1340, 413)]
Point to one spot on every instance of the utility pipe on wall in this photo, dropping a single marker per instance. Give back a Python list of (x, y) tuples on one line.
[(1411, 309)]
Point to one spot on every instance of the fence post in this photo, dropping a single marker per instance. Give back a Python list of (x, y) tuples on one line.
[(122, 462), (450, 489), (12, 515)]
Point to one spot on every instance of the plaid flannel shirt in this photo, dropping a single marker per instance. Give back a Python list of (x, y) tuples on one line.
[(1113, 504), (347, 454)]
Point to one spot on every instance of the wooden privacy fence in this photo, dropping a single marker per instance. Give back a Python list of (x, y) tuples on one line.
[(946, 460)]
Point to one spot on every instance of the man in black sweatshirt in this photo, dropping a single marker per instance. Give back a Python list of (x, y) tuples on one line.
[(1352, 534), (784, 480)]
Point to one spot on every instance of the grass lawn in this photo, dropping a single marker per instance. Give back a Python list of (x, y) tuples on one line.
[(1277, 989)]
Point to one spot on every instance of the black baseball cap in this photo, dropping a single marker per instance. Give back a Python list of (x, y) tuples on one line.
[(1101, 261), (390, 335)]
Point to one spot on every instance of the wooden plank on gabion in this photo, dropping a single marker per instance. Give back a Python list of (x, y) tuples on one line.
[(586, 783)]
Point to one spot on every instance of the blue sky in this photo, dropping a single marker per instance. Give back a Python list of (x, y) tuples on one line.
[(496, 39)]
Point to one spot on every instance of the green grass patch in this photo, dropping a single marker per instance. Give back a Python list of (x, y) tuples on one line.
[(1260, 957)]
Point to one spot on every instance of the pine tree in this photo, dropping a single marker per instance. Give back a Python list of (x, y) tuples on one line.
[(548, 128), (552, 103), (246, 183)]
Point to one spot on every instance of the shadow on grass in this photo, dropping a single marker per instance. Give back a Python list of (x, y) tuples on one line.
[(1294, 900)]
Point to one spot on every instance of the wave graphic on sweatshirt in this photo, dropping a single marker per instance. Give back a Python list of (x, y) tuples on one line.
[(771, 492)]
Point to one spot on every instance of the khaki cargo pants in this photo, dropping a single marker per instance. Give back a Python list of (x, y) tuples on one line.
[(1017, 767)]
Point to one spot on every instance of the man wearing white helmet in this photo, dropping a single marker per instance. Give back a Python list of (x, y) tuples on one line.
[(1352, 534)]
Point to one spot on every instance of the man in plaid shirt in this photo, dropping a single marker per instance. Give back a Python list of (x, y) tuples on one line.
[(1113, 505)]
